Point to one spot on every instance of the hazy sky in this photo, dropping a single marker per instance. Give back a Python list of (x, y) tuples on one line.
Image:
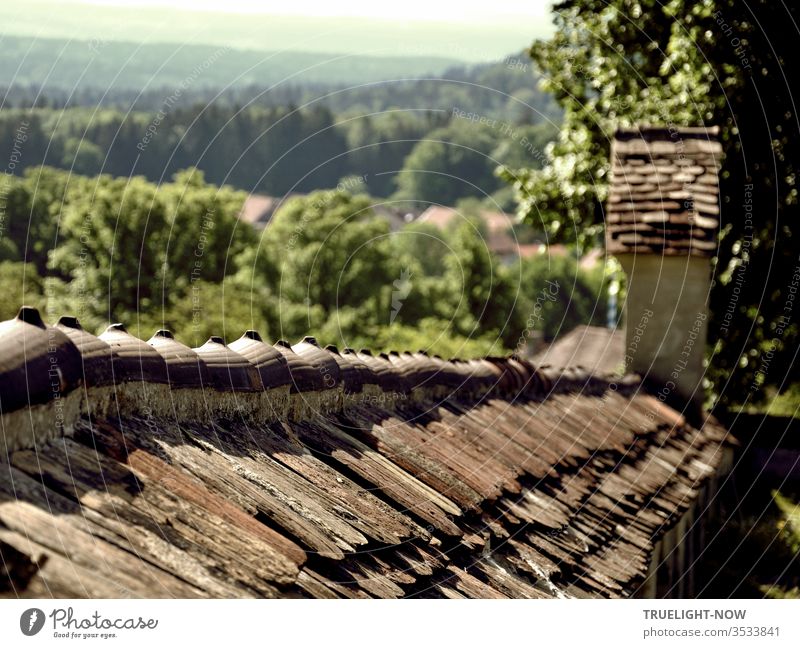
[(446, 10), (468, 30)]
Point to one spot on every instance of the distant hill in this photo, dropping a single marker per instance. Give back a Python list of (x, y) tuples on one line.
[(59, 73), (75, 64)]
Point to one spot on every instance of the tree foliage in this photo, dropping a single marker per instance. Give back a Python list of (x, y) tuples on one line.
[(619, 63), (265, 149), (177, 256), (460, 159)]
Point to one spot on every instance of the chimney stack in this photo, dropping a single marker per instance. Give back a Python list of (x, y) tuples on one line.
[(662, 221)]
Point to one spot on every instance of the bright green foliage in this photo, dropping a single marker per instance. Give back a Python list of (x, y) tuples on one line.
[(482, 294), (203, 235), (110, 245), (450, 163), (113, 249), (21, 285), (429, 334), (461, 159), (331, 251), (127, 246), (226, 308), (30, 208), (422, 244), (682, 62), (560, 295), (176, 256)]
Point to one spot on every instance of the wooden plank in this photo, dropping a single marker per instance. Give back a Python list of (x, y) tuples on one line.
[(397, 484), (263, 487), (470, 586), (148, 492)]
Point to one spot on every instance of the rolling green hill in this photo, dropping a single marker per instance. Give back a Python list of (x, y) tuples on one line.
[(74, 64)]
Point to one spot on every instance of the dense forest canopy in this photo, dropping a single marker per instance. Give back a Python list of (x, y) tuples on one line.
[(113, 65), (263, 145), (110, 227)]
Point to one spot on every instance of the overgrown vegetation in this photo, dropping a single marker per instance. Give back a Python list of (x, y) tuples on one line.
[(756, 552)]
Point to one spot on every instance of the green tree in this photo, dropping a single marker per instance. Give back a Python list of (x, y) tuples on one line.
[(112, 248), (618, 63), (29, 209), (483, 294), (331, 252), (82, 156), (423, 242), (450, 163), (128, 248), (559, 295), (204, 235), (21, 285)]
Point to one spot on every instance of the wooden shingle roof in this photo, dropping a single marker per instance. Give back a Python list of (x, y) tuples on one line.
[(594, 348), (487, 478), (664, 191)]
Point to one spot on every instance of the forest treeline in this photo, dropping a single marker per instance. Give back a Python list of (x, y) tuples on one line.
[(128, 76), (297, 135), (279, 150)]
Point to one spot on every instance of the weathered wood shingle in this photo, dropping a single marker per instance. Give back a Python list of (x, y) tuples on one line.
[(489, 479), (664, 191)]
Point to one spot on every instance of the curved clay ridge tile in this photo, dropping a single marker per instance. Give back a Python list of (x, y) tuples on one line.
[(464, 373), (322, 361), (523, 375), (383, 370), (250, 365), (507, 379), (185, 368), (96, 354), (447, 375), (404, 370), (37, 363), (539, 384), (270, 363), (419, 370), (427, 368), (304, 376), (473, 377), (228, 370), (581, 380), (349, 373), (484, 374), (423, 370), (133, 360), (363, 372), (560, 380)]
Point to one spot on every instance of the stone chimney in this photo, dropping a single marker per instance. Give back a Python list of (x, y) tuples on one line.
[(662, 223)]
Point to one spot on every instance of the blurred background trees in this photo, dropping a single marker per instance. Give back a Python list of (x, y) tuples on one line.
[(176, 255)]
